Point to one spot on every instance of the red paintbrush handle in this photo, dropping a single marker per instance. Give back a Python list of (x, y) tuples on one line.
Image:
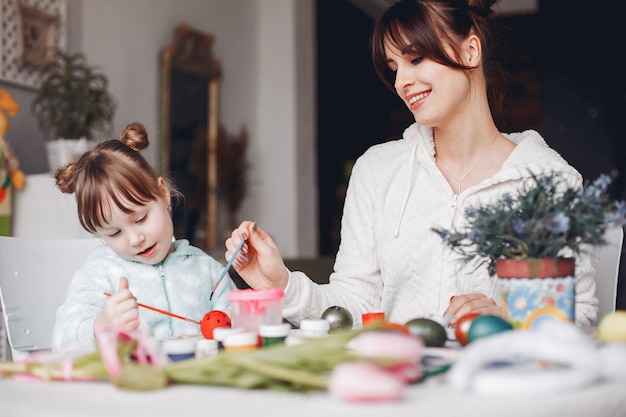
[(167, 313)]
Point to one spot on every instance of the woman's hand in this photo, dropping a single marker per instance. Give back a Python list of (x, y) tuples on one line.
[(120, 309), (461, 305), (259, 263)]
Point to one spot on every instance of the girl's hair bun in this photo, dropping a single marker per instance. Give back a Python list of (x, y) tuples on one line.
[(135, 136)]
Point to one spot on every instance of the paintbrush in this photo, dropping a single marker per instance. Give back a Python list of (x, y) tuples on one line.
[(226, 268), (158, 310)]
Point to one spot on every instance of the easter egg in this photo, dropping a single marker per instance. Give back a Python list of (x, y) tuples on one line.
[(612, 327), (395, 327), (338, 317), (212, 320), (461, 327), (432, 333), (487, 325)]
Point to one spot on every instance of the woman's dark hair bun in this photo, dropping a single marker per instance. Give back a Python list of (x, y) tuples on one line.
[(482, 7)]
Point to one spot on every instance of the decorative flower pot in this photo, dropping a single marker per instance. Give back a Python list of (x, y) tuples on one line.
[(63, 151), (537, 289)]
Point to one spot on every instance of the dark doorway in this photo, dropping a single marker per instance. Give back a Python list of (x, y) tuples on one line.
[(355, 110)]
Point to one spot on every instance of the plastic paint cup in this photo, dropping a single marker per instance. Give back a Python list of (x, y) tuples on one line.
[(252, 308)]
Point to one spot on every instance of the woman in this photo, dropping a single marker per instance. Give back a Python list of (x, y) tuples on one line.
[(437, 56)]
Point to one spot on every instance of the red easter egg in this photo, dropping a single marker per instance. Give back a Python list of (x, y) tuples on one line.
[(212, 320), (462, 326)]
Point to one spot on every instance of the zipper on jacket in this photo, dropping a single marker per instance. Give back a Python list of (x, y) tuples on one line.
[(167, 299)]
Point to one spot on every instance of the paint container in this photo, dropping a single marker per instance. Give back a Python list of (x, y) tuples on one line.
[(206, 347), (179, 349), (314, 328), (274, 334), (251, 308), (221, 333), (372, 318), (241, 341)]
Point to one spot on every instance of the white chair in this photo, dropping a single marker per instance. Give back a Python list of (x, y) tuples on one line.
[(606, 260), (34, 277), (42, 211)]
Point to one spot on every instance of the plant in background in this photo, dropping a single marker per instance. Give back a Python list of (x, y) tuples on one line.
[(73, 99), (545, 220)]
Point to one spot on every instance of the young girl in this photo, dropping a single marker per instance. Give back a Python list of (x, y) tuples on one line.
[(437, 56), (123, 201)]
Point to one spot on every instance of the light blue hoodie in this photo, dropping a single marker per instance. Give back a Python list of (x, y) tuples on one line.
[(181, 284)]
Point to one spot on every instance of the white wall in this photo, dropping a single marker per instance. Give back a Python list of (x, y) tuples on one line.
[(266, 48)]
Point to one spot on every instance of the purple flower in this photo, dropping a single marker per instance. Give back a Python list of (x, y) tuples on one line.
[(476, 235), (558, 224), (507, 199), (602, 182), (519, 227), (470, 212)]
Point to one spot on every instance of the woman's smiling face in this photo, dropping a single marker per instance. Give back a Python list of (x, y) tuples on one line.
[(433, 92)]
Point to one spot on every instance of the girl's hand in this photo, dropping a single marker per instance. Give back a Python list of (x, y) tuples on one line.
[(461, 305), (120, 309), (259, 263)]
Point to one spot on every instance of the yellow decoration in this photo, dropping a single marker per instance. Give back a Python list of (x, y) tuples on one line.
[(8, 160), (18, 179), (8, 104), (612, 327)]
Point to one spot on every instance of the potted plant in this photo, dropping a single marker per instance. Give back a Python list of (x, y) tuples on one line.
[(72, 103), (536, 234)]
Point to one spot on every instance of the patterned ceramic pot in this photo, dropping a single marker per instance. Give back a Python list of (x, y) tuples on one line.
[(534, 290)]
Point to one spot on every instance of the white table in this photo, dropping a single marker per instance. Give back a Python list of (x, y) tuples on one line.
[(432, 398)]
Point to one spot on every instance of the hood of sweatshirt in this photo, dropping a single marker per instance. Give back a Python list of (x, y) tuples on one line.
[(516, 167)]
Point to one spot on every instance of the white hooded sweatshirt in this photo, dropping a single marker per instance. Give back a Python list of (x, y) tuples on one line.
[(390, 260)]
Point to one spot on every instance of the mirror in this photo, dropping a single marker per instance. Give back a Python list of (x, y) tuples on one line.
[(189, 128)]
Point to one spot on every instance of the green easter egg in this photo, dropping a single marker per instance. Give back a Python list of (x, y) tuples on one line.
[(432, 333), (487, 325)]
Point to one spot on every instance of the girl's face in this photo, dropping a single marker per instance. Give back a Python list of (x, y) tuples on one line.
[(143, 235), (433, 92)]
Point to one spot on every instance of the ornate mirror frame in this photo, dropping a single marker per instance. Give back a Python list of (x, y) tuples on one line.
[(190, 77)]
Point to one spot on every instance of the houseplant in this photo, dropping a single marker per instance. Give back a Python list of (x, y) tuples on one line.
[(72, 103), (540, 229)]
